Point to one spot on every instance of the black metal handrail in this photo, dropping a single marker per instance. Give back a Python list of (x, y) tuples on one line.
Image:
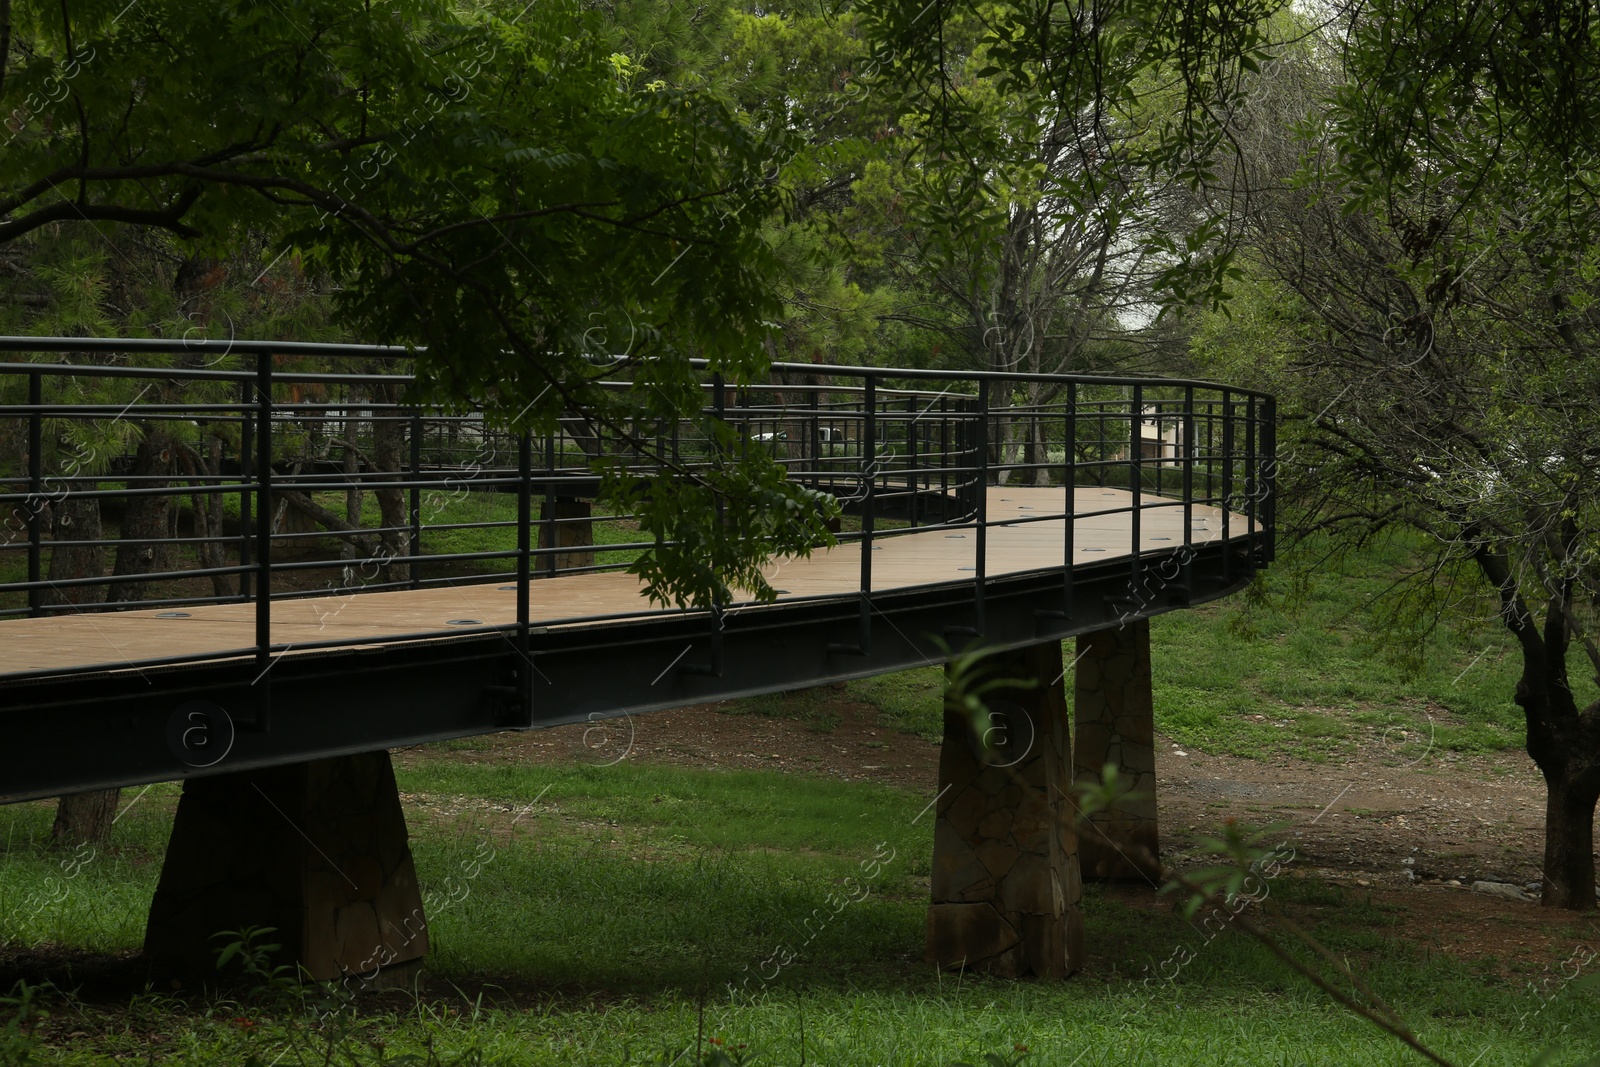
[(900, 457)]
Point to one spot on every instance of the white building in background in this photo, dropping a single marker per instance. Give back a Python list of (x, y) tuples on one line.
[(1161, 436)]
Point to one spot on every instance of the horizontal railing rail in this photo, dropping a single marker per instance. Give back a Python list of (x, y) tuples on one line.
[(150, 473)]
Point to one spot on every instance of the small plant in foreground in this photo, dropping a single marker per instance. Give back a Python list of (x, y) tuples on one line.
[(17, 1043)]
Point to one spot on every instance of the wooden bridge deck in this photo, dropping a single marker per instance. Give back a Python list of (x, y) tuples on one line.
[(930, 556)]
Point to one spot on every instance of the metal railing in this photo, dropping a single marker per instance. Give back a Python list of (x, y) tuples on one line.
[(250, 472)]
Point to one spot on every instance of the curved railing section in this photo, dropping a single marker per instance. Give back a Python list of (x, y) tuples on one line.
[(152, 474)]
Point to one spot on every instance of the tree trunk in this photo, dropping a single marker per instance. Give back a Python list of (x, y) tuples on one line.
[(584, 433), (207, 509), (75, 518), (352, 462), (388, 454), (1563, 741), (85, 817), (1002, 447), (81, 817), (1569, 845), (145, 520), (1041, 453)]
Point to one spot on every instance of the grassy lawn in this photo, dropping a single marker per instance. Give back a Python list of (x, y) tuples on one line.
[(624, 910), (448, 507)]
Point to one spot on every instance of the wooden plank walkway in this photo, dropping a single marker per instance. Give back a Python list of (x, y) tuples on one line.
[(926, 556)]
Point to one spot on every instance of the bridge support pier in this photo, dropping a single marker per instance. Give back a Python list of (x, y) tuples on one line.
[(572, 524), (1006, 890), (1114, 716), (316, 850)]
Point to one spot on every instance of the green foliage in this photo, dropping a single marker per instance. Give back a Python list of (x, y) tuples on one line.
[(1455, 98), (723, 524), (509, 189), (253, 955), (18, 1044), (995, 82)]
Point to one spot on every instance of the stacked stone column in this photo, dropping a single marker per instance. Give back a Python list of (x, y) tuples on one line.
[(1115, 721), (1006, 888), (315, 850), (557, 518)]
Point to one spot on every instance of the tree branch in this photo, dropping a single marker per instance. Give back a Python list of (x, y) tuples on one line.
[(326, 519), (167, 218), (5, 43)]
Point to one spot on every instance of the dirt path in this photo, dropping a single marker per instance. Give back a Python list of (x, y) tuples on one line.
[(1355, 818)]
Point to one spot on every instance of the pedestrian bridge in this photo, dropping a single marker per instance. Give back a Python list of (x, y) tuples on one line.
[(237, 561)]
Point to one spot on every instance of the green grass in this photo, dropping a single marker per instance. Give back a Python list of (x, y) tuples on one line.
[(911, 701), (88, 898), (816, 707), (619, 903), (648, 851), (444, 508), (1324, 671), (962, 1022)]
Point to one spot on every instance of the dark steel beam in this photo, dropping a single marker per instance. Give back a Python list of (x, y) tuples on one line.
[(129, 727)]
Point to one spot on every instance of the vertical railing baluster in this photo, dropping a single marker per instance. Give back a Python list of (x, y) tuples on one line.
[(1213, 451), (1186, 427), (944, 459), (247, 434), (1227, 484), (912, 478), (719, 411), (1136, 483), (719, 404), (524, 571), (816, 443), (35, 492), (263, 509), (1069, 481), (1104, 469), (548, 522), (1269, 477), (869, 512), (415, 500), (1250, 508), (981, 555)]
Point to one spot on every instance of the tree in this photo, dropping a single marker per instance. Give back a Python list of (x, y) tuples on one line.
[(1431, 242), (68, 279), (1428, 218), (505, 190), (1048, 148), (1122, 90)]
